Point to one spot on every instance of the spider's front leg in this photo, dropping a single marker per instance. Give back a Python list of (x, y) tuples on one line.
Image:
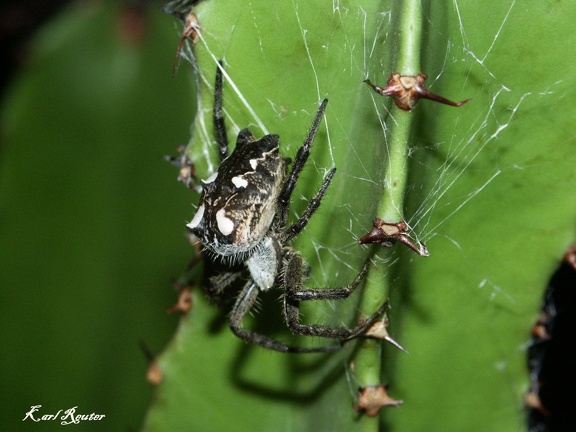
[(218, 114), (295, 292), (298, 165), (296, 228)]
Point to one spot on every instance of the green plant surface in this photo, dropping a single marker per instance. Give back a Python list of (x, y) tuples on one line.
[(490, 191), (85, 199)]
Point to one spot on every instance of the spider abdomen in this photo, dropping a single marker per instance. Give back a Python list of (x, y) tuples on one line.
[(239, 200)]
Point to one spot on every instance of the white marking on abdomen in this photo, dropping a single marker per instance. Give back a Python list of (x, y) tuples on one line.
[(239, 181), (225, 224), (211, 178), (197, 217)]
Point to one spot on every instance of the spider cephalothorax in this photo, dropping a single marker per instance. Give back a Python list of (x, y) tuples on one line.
[(242, 217)]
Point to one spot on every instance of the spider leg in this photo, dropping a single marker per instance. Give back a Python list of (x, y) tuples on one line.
[(293, 282), (295, 229), (219, 283), (242, 306), (298, 165), (218, 115)]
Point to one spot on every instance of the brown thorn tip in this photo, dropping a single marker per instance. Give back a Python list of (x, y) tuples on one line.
[(372, 398)]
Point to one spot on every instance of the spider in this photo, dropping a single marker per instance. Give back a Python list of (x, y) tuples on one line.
[(242, 218)]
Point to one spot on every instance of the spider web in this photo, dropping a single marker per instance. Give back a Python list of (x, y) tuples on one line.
[(466, 140), (454, 153)]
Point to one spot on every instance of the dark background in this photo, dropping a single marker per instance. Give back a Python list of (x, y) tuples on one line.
[(91, 216)]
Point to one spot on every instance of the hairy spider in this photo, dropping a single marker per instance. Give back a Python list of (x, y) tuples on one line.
[(242, 217)]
